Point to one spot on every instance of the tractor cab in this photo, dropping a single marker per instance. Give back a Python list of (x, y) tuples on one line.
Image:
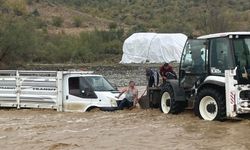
[(214, 73), (213, 54)]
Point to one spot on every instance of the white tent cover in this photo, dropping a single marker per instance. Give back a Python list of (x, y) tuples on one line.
[(153, 48)]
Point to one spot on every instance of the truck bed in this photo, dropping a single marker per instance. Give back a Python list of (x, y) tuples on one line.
[(29, 89)]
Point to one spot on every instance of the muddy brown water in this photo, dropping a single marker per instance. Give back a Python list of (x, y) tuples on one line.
[(127, 129)]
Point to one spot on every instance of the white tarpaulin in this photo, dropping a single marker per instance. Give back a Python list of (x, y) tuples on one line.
[(153, 48)]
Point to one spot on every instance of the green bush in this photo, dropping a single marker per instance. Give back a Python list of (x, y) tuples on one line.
[(29, 2), (57, 21), (35, 13), (77, 21), (40, 24), (94, 46), (112, 25), (17, 6), (19, 41)]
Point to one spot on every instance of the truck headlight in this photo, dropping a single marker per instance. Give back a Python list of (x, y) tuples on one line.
[(245, 104), (113, 103)]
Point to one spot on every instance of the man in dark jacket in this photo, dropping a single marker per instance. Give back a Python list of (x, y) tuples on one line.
[(152, 77), (167, 72)]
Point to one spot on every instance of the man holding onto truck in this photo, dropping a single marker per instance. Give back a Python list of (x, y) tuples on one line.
[(131, 96), (167, 72)]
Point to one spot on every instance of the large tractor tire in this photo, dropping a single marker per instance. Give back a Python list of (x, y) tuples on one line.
[(168, 103), (210, 104)]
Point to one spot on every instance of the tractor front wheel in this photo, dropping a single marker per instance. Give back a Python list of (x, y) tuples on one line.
[(210, 104)]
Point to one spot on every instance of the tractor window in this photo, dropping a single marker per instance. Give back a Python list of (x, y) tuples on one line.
[(194, 57), (242, 58), (221, 58), (193, 63), (242, 53)]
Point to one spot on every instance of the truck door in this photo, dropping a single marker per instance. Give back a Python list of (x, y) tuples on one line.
[(193, 63), (79, 94)]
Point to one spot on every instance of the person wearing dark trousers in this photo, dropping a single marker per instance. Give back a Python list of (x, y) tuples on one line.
[(152, 77), (131, 96)]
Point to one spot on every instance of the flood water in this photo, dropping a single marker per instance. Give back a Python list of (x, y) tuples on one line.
[(127, 129)]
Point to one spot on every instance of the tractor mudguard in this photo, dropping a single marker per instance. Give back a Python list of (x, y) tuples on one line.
[(213, 83), (179, 93)]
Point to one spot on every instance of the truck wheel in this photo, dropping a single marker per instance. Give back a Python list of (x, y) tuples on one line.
[(210, 104), (168, 103)]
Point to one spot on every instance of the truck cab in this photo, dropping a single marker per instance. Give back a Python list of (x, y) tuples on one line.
[(84, 92), (213, 77)]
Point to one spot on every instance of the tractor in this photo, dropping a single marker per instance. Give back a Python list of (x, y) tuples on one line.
[(214, 77)]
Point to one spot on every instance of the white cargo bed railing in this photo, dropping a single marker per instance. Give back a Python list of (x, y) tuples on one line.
[(8, 88), (31, 89)]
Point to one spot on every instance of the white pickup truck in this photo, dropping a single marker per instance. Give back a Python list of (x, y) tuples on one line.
[(68, 91)]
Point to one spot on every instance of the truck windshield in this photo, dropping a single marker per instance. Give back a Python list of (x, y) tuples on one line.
[(242, 56), (99, 83)]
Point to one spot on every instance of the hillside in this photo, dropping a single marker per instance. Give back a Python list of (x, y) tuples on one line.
[(188, 16), (48, 11), (80, 31)]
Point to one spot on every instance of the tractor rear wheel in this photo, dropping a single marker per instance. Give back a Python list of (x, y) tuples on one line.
[(210, 104)]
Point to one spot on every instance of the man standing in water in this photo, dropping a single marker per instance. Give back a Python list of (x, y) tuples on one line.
[(131, 96)]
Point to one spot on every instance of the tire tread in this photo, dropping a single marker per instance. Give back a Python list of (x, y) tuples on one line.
[(176, 107), (219, 98)]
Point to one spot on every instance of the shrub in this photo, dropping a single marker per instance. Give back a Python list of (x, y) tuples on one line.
[(57, 21), (29, 2), (39, 23), (77, 21), (35, 13), (112, 25), (18, 6)]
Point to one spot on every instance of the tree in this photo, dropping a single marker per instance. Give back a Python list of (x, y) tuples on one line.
[(18, 41)]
